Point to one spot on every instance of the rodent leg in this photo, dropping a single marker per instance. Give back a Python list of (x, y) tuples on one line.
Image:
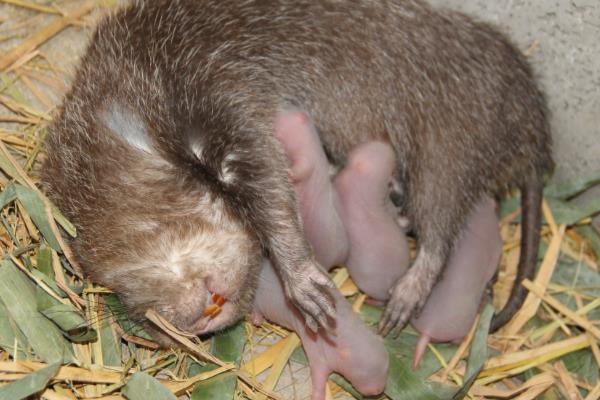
[(411, 291), (269, 202), (437, 229)]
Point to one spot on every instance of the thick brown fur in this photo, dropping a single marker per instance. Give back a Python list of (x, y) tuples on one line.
[(204, 80)]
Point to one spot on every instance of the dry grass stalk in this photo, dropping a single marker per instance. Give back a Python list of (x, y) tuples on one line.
[(532, 303), (568, 385), (44, 35), (32, 6), (581, 321), (182, 337)]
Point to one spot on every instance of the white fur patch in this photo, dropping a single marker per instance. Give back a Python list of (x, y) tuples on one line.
[(197, 149), (128, 125), (226, 174)]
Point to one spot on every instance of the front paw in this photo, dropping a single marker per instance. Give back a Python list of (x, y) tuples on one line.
[(406, 298), (309, 289)]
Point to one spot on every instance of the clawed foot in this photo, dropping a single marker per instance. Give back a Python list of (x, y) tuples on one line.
[(308, 287), (406, 298)]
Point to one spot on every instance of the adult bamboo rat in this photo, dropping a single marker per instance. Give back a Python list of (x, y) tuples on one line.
[(164, 157)]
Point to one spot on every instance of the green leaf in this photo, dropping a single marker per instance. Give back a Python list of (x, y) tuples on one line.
[(63, 221), (221, 386), (404, 345), (569, 213), (564, 212), (19, 296), (50, 282), (36, 209), (13, 191), (583, 364), (30, 385), (111, 347), (227, 346), (404, 383), (8, 195), (44, 261), (509, 205), (68, 319), (122, 319), (573, 187), (572, 274), (9, 169), (8, 332), (590, 234), (478, 353), (142, 386)]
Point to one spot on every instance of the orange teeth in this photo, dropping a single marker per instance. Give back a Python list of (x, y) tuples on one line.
[(212, 311), (218, 300), (216, 312)]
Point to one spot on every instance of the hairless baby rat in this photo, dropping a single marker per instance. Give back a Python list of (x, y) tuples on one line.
[(164, 154), (354, 352)]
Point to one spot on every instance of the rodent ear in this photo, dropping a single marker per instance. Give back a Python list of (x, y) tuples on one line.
[(197, 148), (127, 125)]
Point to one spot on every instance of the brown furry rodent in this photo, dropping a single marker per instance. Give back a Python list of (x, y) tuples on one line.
[(164, 157)]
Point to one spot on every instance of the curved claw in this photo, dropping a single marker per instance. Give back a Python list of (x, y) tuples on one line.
[(404, 301), (392, 320), (309, 291)]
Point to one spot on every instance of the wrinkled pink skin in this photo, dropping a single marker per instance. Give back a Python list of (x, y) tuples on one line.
[(378, 254), (454, 302), (317, 199), (352, 222), (354, 352)]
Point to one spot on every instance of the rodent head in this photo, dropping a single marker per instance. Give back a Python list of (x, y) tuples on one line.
[(198, 274), (155, 232)]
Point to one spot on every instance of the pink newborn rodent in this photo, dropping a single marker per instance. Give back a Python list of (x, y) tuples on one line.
[(454, 302), (355, 351)]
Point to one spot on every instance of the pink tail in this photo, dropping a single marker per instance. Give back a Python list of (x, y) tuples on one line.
[(420, 349)]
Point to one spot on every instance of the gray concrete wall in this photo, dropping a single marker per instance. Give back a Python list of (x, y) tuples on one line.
[(563, 39)]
